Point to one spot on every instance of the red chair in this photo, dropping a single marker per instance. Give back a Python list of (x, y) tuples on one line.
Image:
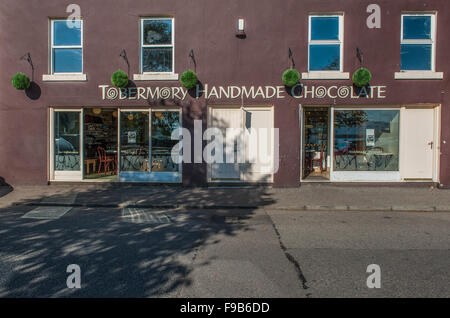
[(319, 160), (104, 159)]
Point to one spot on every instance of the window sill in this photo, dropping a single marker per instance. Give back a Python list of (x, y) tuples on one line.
[(155, 77), (64, 77), (418, 75), (318, 75)]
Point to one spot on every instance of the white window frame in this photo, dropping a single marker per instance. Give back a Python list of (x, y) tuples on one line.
[(366, 176), (421, 74), (422, 41), (61, 77), (155, 75), (66, 175), (52, 47), (339, 74)]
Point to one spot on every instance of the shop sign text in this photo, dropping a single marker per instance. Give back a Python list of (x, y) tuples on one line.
[(240, 92)]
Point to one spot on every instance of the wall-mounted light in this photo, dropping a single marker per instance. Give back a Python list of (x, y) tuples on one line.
[(241, 25), (123, 55), (241, 29), (27, 57), (192, 57), (359, 56)]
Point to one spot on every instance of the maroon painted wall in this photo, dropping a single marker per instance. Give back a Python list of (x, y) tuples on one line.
[(208, 27)]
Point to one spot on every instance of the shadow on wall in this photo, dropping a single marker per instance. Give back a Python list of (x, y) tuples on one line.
[(119, 256), (5, 188), (34, 91)]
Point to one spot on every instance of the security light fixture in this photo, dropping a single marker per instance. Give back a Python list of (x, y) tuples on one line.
[(240, 30), (241, 25)]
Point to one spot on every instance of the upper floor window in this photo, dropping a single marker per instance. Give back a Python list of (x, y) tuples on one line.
[(325, 43), (157, 45), (66, 46), (418, 42)]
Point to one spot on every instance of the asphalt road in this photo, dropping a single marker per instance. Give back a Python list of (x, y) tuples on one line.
[(236, 253)]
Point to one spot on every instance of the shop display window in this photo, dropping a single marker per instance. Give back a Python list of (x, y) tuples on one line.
[(366, 140)]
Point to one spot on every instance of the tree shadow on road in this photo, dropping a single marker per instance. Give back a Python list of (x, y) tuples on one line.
[(118, 257)]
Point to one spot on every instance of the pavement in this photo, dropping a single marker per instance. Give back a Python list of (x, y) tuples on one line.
[(314, 197)]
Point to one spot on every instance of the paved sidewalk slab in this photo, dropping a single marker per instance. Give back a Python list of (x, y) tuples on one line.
[(310, 197)]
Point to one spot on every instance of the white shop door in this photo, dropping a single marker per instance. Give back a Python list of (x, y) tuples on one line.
[(259, 142), (226, 118), (419, 143)]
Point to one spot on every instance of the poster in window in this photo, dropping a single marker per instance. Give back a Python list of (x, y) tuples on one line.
[(132, 137), (370, 137)]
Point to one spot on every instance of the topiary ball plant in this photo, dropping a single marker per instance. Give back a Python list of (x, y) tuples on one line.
[(20, 81), (189, 79), (362, 77), (119, 79), (290, 77)]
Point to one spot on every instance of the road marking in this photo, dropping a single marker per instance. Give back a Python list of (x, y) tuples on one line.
[(138, 215), (47, 213)]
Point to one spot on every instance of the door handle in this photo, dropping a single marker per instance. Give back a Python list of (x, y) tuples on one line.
[(431, 144)]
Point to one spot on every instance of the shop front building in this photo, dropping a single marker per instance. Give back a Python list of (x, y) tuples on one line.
[(240, 122)]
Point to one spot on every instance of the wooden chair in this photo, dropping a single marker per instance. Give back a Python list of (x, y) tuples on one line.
[(104, 159)]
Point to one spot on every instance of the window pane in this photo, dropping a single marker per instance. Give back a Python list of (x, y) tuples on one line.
[(416, 27), (157, 59), (366, 140), (416, 57), (134, 141), (157, 31), (324, 57), (63, 35), (325, 28), (67, 60), (163, 123), (67, 141)]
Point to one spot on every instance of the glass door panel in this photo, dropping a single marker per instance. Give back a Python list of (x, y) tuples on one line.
[(163, 124), (66, 145), (315, 143), (134, 141), (100, 143)]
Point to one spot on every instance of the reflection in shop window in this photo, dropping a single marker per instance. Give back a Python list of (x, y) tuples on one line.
[(325, 43), (417, 42), (163, 124), (67, 141), (134, 141), (366, 140), (67, 47), (157, 45)]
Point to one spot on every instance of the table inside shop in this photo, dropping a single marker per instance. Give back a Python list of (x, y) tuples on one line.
[(88, 163), (131, 158), (161, 159)]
